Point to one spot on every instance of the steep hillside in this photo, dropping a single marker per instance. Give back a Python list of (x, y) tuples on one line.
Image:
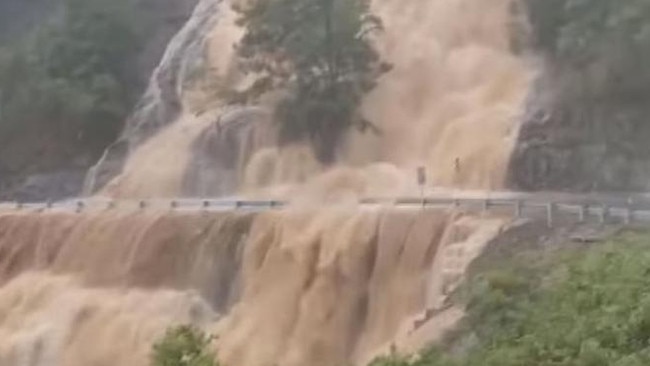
[(586, 123), (18, 16), (557, 303), (70, 72)]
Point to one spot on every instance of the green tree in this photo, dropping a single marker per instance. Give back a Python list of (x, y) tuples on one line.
[(94, 52), (74, 77), (318, 54), (183, 346), (599, 39)]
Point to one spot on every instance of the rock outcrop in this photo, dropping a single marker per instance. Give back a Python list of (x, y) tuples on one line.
[(570, 141)]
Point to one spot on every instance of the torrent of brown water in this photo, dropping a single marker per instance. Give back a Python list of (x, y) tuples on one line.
[(310, 285), (454, 93), (294, 287), (451, 104), (48, 320)]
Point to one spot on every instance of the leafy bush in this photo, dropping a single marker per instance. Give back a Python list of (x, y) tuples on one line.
[(183, 346)]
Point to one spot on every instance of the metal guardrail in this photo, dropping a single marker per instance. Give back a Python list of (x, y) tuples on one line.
[(624, 212), (79, 205)]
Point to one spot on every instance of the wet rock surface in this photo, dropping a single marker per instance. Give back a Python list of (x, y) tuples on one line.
[(571, 143)]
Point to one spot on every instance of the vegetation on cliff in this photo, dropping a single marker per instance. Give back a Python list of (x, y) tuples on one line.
[(318, 53), (183, 346), (587, 113), (73, 78), (585, 306), (611, 36)]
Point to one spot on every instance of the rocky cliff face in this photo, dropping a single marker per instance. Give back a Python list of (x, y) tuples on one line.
[(574, 144), (585, 128)]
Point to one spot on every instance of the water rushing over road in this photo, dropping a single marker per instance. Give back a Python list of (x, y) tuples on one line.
[(345, 268), (297, 286)]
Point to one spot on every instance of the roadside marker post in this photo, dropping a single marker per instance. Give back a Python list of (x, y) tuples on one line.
[(629, 211), (422, 181), (550, 210), (518, 209), (582, 214), (486, 205), (604, 213)]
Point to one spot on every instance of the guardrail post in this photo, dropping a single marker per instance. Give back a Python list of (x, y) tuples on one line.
[(603, 214), (518, 209), (456, 203), (19, 205), (629, 211), (173, 204), (582, 214), (238, 204), (550, 210), (48, 204), (206, 204), (486, 205), (142, 204), (80, 206), (629, 216)]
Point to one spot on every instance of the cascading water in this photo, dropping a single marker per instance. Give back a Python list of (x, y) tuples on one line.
[(323, 282), (295, 287), (162, 102), (451, 103), (455, 92)]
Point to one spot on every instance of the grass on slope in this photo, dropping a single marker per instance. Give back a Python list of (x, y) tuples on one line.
[(578, 307)]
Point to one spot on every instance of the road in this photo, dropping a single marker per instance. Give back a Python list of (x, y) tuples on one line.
[(621, 206)]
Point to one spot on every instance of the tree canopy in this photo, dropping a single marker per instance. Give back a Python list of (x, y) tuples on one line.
[(612, 37), (74, 76), (318, 55)]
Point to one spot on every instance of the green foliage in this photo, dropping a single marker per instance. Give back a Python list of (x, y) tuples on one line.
[(318, 53), (429, 357), (73, 76), (610, 37), (183, 346), (589, 308)]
